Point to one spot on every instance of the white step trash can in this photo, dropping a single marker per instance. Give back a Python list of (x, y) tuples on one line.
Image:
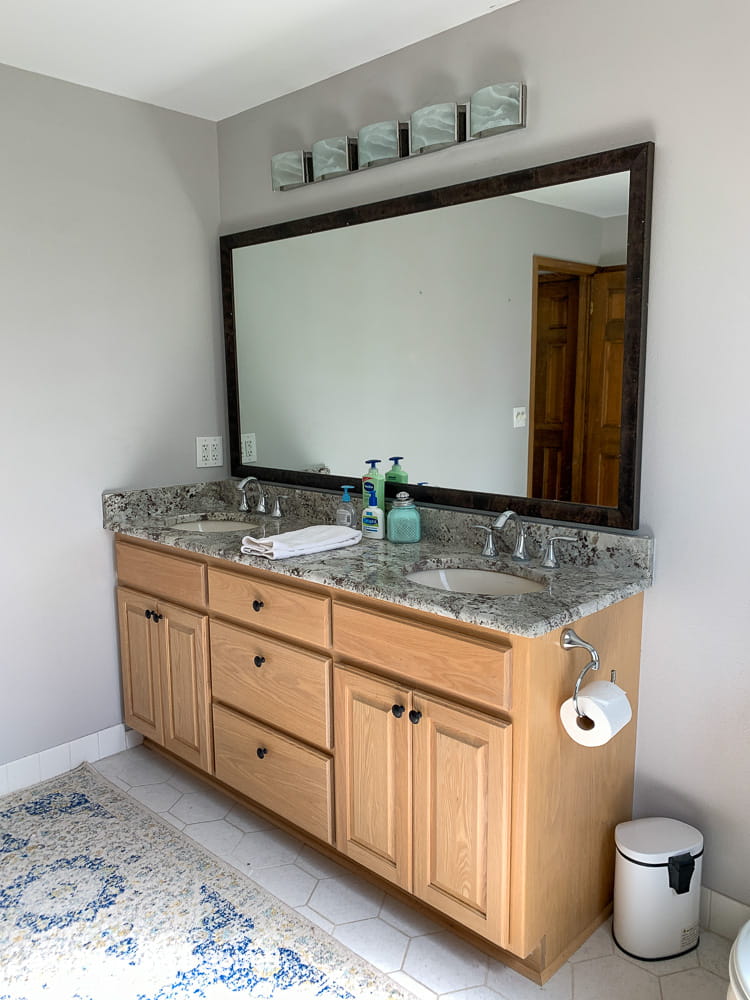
[(658, 867)]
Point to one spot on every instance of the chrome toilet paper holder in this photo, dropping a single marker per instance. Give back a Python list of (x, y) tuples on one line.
[(571, 640)]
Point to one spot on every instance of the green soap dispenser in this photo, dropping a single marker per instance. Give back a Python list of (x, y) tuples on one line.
[(396, 474), (373, 479)]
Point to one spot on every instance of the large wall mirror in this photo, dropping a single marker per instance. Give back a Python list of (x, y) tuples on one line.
[(492, 333)]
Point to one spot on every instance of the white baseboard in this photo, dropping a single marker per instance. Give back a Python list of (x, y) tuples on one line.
[(36, 767)]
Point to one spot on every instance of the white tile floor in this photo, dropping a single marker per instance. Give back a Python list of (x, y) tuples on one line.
[(419, 954)]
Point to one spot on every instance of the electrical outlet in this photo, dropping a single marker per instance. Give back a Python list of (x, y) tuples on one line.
[(249, 451), (209, 451), (519, 416)]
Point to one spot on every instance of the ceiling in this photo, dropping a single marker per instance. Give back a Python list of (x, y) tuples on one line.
[(215, 60)]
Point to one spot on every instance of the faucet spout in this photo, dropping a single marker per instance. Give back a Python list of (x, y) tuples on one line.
[(261, 506), (520, 551)]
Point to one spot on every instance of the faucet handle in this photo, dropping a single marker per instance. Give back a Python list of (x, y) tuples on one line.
[(489, 542), (550, 558), (276, 512)]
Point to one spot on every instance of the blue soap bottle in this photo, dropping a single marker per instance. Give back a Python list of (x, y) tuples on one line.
[(345, 510)]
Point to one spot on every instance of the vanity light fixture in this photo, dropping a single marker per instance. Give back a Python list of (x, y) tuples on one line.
[(382, 142), (332, 157), (497, 108), (436, 127), (290, 170)]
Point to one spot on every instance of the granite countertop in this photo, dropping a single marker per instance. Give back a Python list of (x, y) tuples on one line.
[(378, 568)]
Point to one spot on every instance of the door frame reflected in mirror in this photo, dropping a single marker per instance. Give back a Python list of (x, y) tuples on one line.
[(637, 162)]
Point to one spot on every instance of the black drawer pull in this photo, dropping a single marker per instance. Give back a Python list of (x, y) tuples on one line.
[(261, 752), (414, 716), (259, 660), (257, 605), (398, 710)]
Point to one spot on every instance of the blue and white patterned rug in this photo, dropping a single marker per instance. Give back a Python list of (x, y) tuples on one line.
[(101, 900)]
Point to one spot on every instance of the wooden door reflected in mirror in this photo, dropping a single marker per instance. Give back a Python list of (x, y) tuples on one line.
[(578, 329)]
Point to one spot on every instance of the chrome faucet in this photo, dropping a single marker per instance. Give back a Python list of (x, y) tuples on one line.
[(520, 552), (261, 505)]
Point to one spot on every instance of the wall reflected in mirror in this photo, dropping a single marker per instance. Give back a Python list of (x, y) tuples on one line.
[(347, 349)]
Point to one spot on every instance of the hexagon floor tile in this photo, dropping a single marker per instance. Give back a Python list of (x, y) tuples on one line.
[(418, 953)]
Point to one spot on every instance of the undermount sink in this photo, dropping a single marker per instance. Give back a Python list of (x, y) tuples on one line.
[(206, 526), (475, 581)]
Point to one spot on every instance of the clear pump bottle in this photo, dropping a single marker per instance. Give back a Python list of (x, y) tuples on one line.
[(345, 511)]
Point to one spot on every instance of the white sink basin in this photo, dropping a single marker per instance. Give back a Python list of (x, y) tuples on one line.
[(475, 581), (209, 527)]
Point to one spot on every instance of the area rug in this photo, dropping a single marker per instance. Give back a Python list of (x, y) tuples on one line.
[(102, 900)]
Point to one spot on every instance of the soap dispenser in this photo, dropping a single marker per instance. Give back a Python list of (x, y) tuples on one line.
[(404, 522), (373, 479), (396, 474), (345, 510), (373, 518)]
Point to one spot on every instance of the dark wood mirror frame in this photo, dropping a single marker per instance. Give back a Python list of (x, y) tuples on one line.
[(637, 161)]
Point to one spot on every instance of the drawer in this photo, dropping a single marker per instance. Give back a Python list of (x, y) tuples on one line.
[(161, 574), (276, 606), (454, 664), (273, 681), (289, 779)]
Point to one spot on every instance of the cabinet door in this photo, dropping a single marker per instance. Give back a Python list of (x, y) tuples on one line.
[(139, 652), (186, 699), (373, 773), (462, 814)]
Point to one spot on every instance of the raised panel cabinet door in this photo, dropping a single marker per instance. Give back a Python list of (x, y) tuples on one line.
[(140, 655), (186, 698), (462, 814), (373, 773)]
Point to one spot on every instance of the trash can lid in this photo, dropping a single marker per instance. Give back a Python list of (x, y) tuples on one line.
[(654, 840)]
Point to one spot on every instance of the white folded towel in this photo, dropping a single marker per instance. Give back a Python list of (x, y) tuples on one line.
[(317, 538)]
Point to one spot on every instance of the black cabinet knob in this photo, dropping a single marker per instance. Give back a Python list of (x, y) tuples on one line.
[(259, 660), (148, 614), (257, 605), (398, 710), (414, 716), (156, 618), (261, 752)]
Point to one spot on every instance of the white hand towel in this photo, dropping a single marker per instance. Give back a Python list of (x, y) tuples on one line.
[(317, 538)]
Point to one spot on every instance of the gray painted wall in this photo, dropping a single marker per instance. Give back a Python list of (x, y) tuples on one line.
[(111, 365), (602, 75)]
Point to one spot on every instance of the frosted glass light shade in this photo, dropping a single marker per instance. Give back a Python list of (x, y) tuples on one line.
[(290, 170), (332, 157), (497, 108), (382, 142), (437, 126)]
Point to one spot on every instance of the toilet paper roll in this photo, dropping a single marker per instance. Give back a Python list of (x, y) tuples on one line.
[(606, 709)]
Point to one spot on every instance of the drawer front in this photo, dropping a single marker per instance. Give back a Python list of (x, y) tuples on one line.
[(160, 574), (289, 779), (281, 608), (457, 665), (274, 682)]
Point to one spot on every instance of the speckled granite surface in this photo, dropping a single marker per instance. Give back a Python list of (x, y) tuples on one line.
[(597, 568)]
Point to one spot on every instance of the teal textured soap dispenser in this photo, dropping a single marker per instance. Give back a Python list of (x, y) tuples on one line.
[(404, 523)]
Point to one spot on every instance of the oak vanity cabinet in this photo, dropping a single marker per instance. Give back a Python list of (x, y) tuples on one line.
[(423, 794), (164, 652), (425, 750), (271, 688), (422, 783)]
